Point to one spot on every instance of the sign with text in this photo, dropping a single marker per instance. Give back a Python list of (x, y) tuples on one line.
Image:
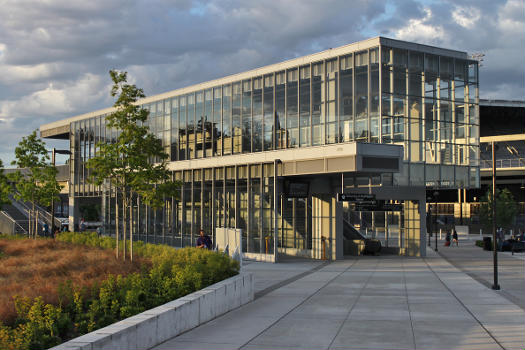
[(356, 197), (378, 206)]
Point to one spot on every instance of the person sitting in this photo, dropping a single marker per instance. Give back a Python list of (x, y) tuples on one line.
[(204, 241)]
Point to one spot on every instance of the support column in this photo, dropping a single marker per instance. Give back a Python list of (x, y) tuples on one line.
[(73, 213), (327, 223)]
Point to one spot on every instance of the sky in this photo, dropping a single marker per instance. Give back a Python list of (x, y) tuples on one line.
[(55, 55)]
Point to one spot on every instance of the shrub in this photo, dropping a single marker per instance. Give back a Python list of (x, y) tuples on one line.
[(171, 274)]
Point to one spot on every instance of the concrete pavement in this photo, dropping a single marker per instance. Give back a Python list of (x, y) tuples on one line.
[(478, 264), (385, 302)]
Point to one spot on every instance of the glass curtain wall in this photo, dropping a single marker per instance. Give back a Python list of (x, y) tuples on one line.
[(426, 102)]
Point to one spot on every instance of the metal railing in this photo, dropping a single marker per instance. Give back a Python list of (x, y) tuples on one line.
[(26, 208), (503, 163), (8, 224)]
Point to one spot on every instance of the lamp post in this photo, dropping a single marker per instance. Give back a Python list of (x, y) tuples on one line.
[(495, 285), (429, 220), (436, 194), (53, 153)]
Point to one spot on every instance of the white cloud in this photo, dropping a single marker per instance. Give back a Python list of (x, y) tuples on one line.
[(422, 30), (466, 16), (55, 54)]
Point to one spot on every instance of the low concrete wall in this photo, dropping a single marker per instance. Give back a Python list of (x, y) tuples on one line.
[(152, 327), (259, 257)]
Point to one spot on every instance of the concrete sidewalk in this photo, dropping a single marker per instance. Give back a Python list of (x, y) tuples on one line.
[(385, 302), (478, 264)]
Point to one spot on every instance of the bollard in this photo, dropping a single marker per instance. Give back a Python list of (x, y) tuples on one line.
[(266, 239), (440, 232), (481, 233)]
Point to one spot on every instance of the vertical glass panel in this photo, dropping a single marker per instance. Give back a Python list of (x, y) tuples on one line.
[(445, 89), (318, 117), (386, 130), (414, 84), (254, 229), (269, 118), (473, 72), (446, 67), (208, 123), (431, 63), (199, 124), (207, 203), (415, 62), (226, 120), (183, 132), (361, 87), (374, 85), (191, 126), (247, 115), (219, 198), (280, 99), (236, 118), (331, 100), (430, 86), (399, 129), (431, 116), (304, 106), (257, 139), (400, 58), (217, 121), (460, 69), (346, 99), (292, 116)]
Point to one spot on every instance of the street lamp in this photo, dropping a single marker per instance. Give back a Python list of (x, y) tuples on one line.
[(429, 219), (55, 151), (436, 194), (495, 285)]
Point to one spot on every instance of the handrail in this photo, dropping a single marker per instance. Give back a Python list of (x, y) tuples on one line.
[(13, 222), (45, 215), (503, 163)]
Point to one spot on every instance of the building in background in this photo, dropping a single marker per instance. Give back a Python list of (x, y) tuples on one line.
[(268, 150), (503, 122)]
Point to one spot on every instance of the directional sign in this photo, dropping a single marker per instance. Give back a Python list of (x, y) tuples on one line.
[(392, 207), (355, 197), (378, 206)]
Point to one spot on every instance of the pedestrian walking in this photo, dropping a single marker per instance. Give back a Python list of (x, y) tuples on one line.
[(455, 237), (447, 239)]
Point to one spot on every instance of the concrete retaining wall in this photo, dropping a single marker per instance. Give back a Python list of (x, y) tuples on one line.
[(152, 327)]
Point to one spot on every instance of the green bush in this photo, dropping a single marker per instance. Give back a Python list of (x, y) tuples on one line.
[(173, 274)]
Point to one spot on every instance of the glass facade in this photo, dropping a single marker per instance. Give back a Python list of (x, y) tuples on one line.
[(426, 102)]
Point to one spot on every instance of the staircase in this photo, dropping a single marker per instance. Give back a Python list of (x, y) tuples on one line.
[(18, 217)]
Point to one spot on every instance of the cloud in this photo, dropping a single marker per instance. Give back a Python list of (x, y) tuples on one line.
[(55, 54), (422, 29)]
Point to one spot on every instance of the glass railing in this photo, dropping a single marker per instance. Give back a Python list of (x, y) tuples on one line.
[(503, 163)]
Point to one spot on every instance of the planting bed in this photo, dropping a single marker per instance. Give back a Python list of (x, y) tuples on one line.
[(55, 290)]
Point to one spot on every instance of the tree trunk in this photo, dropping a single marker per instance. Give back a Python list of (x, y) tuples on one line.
[(124, 202), (117, 231), (36, 224), (31, 224), (130, 227)]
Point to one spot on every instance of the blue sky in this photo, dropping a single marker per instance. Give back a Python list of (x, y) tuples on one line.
[(55, 55)]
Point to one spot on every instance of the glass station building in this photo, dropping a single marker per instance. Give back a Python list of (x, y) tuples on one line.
[(268, 150)]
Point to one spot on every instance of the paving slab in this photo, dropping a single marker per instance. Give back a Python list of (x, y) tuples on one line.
[(384, 302)]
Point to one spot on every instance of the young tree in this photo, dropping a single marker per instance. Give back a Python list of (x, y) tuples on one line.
[(38, 183), (506, 209), (135, 164), (5, 189)]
